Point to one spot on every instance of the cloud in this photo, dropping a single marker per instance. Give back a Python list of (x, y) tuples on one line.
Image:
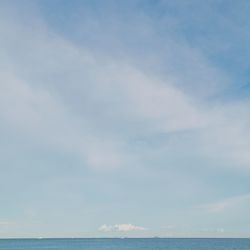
[(7, 223), (226, 204), (72, 104), (92, 105), (69, 100), (162, 104), (120, 228), (227, 135)]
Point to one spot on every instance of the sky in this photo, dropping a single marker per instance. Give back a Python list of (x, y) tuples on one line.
[(124, 118)]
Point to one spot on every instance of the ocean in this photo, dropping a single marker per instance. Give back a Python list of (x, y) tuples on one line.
[(125, 244)]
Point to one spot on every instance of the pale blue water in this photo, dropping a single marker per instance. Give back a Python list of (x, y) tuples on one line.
[(125, 244)]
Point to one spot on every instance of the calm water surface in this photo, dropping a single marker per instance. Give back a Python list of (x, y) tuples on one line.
[(125, 244)]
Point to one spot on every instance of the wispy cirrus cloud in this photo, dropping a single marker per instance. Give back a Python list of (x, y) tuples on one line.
[(92, 105), (134, 101)]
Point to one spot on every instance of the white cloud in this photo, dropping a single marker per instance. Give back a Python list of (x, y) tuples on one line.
[(88, 104), (120, 228), (227, 136), (69, 99), (44, 110), (105, 228), (164, 106)]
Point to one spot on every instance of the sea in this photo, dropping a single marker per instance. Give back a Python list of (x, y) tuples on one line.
[(126, 244)]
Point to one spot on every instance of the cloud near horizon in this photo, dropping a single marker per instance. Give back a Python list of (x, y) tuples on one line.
[(120, 228)]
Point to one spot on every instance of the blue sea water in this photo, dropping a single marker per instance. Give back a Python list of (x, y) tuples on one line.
[(125, 244)]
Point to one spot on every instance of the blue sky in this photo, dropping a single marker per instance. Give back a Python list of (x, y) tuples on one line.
[(124, 118)]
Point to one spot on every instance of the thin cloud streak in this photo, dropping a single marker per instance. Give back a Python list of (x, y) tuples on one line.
[(226, 204)]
